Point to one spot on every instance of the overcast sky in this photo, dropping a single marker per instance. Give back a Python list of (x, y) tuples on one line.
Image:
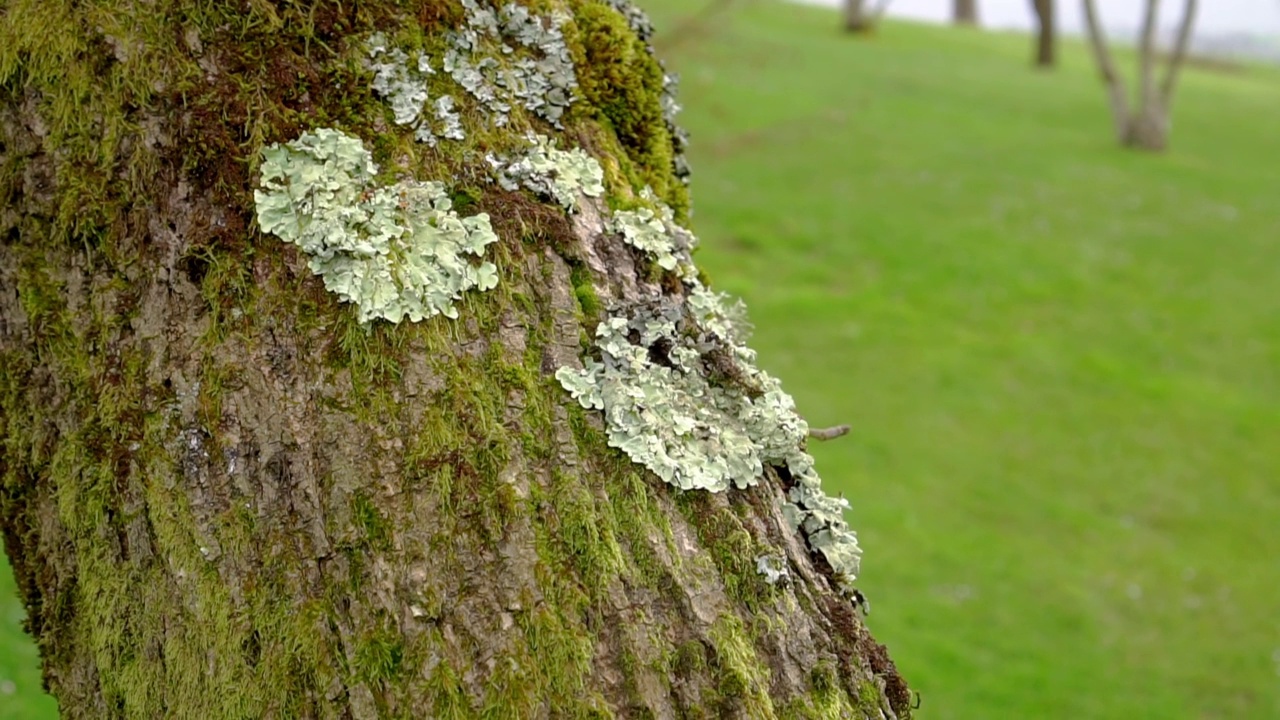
[(1215, 17)]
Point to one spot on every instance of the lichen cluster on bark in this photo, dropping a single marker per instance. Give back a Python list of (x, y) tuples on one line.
[(225, 496)]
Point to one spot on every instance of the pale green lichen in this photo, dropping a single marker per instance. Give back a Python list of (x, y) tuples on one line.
[(401, 79), (642, 229), (511, 56), (681, 393), (561, 175), (396, 251), (773, 568), (653, 229)]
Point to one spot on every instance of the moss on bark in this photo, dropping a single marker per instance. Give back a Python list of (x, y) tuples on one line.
[(225, 497)]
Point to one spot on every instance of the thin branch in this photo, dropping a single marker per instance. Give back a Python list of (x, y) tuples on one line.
[(1146, 56), (1102, 54), (830, 433), (1179, 55)]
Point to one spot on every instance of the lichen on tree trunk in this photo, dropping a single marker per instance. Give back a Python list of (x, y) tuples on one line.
[(223, 496)]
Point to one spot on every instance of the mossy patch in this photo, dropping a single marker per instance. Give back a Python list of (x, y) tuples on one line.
[(623, 82)]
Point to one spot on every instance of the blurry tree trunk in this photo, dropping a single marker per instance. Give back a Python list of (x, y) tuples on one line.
[(1046, 33), (965, 12), (1146, 126), (224, 497), (861, 17)]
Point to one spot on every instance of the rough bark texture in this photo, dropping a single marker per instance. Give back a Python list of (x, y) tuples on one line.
[(1046, 33), (223, 497), (1147, 126)]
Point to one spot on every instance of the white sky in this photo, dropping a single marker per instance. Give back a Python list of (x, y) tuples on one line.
[(1259, 17)]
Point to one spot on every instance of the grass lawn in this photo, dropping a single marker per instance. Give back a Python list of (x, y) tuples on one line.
[(20, 695), (1061, 360)]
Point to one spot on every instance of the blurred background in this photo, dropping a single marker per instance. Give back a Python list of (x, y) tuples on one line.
[(1058, 347)]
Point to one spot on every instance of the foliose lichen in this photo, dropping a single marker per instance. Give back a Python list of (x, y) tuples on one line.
[(397, 251), (681, 394), (512, 57), (401, 79), (561, 175), (773, 568), (653, 229)]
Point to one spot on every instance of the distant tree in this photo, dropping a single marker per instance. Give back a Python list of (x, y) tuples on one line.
[(860, 17), (965, 12), (1046, 35), (1147, 126)]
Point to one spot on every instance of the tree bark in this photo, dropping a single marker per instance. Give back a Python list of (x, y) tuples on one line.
[(1147, 128), (223, 496), (1116, 92), (1046, 33), (965, 12), (1178, 56)]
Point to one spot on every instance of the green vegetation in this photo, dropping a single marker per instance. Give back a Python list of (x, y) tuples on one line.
[(20, 695), (1059, 359)]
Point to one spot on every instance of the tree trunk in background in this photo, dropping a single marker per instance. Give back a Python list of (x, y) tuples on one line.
[(1046, 33), (860, 17), (1147, 127), (965, 12), (222, 496)]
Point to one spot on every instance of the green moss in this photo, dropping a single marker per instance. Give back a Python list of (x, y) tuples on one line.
[(584, 291), (742, 682), (732, 548), (366, 517), (282, 68), (622, 82), (449, 700), (378, 657), (869, 695)]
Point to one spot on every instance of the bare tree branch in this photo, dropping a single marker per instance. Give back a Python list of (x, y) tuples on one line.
[(1178, 55), (1115, 84), (1046, 32), (830, 433), (1147, 55)]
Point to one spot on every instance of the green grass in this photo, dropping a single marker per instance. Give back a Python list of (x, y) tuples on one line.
[(1060, 359), (20, 695)]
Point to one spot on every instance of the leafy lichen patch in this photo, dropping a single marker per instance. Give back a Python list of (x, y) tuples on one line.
[(395, 251), (512, 57), (402, 79), (772, 567), (652, 229), (681, 393), (553, 173)]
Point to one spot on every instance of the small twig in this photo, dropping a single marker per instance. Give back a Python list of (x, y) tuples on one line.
[(830, 433)]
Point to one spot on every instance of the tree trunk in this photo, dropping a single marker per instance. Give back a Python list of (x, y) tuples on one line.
[(860, 18), (1116, 92), (223, 494), (1147, 128), (1046, 33), (965, 12)]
